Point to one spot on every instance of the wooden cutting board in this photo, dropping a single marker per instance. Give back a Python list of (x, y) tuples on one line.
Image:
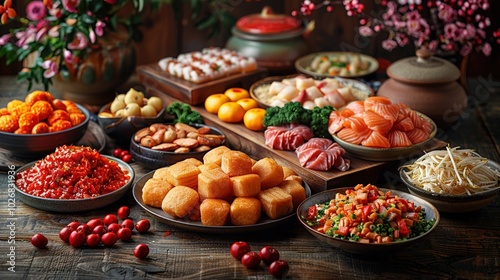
[(251, 142)]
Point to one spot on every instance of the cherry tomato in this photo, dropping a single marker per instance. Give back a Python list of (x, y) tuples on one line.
[(39, 240), (128, 223), (278, 269), (85, 229), (109, 239), (117, 152), (114, 227), (93, 240), (123, 212), (238, 249), (110, 218), (250, 260), (141, 251), (76, 239), (64, 233), (269, 254), (124, 234), (142, 226), (100, 230), (95, 222), (73, 225), (127, 158)]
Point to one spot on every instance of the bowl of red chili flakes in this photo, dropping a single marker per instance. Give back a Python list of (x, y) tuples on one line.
[(73, 179), (366, 220)]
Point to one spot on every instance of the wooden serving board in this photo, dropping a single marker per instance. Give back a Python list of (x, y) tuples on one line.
[(251, 142), (152, 77)]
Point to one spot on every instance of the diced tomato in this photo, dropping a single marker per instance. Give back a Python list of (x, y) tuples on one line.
[(344, 231), (367, 209), (403, 229), (311, 213), (372, 195)]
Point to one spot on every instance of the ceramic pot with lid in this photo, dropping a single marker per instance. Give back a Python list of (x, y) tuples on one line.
[(274, 40), (428, 85)]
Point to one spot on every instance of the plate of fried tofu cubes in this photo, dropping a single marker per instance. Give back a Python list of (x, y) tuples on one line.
[(225, 192)]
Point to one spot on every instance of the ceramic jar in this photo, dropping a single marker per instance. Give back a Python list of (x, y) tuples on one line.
[(274, 40), (427, 84)]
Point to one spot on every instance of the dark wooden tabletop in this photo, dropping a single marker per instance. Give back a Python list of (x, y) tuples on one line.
[(463, 246)]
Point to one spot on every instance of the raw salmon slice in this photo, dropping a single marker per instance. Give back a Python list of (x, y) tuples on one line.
[(405, 124), (376, 122), (388, 111), (417, 135), (351, 136), (398, 138), (356, 106), (370, 101), (376, 140)]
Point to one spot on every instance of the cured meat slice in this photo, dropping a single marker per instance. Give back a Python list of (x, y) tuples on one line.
[(322, 154), (287, 137)]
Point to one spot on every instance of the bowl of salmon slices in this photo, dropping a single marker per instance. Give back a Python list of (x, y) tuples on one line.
[(377, 129)]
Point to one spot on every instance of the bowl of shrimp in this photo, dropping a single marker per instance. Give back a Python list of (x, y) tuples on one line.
[(377, 129), (45, 124), (452, 179)]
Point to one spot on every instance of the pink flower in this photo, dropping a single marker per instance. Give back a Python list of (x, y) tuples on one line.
[(50, 69), (5, 39), (365, 31), (68, 57), (99, 28), (79, 43), (389, 44), (71, 5), (446, 13), (35, 10)]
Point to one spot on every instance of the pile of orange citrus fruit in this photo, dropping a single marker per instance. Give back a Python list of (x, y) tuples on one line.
[(235, 105)]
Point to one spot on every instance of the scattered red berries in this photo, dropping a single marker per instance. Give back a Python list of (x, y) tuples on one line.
[(122, 154), (106, 231), (39, 240), (240, 250)]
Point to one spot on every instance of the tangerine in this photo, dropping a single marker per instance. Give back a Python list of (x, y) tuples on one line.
[(254, 119), (214, 101), (248, 103), (236, 94), (231, 112)]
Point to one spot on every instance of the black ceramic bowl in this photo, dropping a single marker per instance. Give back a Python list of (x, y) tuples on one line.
[(122, 128), (39, 145), (155, 159)]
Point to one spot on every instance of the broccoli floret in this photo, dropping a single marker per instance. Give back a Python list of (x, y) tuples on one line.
[(182, 113), (291, 112), (319, 121)]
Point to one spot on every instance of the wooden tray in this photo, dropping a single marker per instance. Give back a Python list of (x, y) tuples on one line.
[(152, 77), (252, 143)]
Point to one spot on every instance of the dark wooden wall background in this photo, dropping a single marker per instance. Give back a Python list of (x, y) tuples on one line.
[(169, 35)]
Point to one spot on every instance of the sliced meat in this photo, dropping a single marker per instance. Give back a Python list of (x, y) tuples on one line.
[(322, 154), (287, 137)]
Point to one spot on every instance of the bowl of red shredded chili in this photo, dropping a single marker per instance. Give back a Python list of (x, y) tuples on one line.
[(367, 220), (73, 179)]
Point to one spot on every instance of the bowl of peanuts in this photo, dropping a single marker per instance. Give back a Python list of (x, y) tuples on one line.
[(163, 144), (36, 126)]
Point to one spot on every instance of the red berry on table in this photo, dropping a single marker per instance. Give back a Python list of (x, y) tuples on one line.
[(73, 225), (110, 218), (250, 260), (39, 240), (123, 153), (85, 229), (117, 152), (238, 249), (95, 222), (64, 234), (76, 239), (123, 212), (100, 230), (109, 239), (142, 226), (127, 158), (141, 251), (114, 227), (128, 223), (93, 240), (269, 254), (124, 234), (278, 269)]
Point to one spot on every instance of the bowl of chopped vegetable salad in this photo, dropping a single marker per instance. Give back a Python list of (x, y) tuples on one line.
[(367, 220), (454, 180)]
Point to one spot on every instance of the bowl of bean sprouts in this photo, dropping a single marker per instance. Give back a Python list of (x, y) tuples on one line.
[(454, 180)]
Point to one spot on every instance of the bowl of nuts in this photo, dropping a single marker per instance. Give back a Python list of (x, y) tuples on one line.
[(163, 144), (128, 113)]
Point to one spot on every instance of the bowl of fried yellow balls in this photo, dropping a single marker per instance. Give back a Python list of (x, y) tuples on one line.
[(37, 125)]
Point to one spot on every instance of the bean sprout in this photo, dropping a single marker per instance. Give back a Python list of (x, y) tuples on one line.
[(452, 171)]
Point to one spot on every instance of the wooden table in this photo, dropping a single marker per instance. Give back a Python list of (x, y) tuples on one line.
[(463, 246)]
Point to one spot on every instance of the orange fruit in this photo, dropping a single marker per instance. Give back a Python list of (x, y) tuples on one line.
[(248, 103), (214, 101), (254, 119), (231, 112), (236, 94)]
